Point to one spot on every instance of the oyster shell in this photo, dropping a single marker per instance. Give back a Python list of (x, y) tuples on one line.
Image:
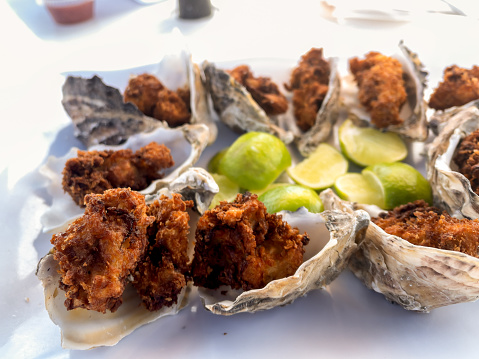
[(86, 329), (100, 116), (235, 106), (326, 117), (416, 277), (413, 111), (452, 190), (186, 144), (334, 236)]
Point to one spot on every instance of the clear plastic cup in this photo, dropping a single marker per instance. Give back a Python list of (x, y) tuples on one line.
[(70, 11)]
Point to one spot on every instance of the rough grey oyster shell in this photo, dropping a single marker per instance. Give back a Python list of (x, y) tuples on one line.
[(334, 236), (235, 106), (100, 116), (416, 277), (413, 111), (186, 144), (326, 117), (452, 190)]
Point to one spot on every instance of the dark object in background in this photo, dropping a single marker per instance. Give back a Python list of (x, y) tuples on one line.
[(70, 12), (194, 9)]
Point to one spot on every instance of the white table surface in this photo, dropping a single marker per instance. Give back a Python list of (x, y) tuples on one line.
[(343, 320)]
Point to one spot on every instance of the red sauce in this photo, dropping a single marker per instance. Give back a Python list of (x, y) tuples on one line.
[(71, 13)]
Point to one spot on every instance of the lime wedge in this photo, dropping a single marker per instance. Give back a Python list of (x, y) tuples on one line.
[(320, 169), (228, 190), (290, 198), (214, 163), (355, 187), (400, 182), (367, 146), (255, 160)]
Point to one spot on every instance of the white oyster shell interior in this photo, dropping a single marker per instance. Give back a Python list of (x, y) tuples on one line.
[(416, 277), (186, 144), (333, 238), (86, 329)]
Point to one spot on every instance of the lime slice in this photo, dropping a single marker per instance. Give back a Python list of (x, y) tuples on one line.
[(255, 160), (358, 188), (228, 190), (290, 198), (367, 146), (401, 183), (320, 169), (214, 163)]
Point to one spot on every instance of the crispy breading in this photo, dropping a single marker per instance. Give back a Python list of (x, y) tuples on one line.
[(309, 83), (265, 92), (163, 272), (459, 86), (155, 100), (381, 87), (101, 249), (240, 245), (423, 225), (97, 171), (467, 159)]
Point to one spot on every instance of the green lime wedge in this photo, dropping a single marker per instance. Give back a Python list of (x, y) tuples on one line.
[(228, 190), (367, 146), (400, 182), (214, 162), (320, 169), (290, 198), (355, 187), (255, 160)]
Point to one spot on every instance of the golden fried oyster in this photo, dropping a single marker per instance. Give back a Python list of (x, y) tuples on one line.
[(240, 245), (155, 100), (101, 249), (459, 86), (97, 171), (423, 225), (381, 87), (309, 83), (467, 159), (265, 92), (162, 273)]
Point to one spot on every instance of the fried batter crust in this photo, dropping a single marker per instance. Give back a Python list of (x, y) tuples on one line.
[(467, 159), (101, 249), (240, 245), (309, 83), (459, 86), (155, 100), (265, 92), (97, 171), (420, 224), (163, 272), (381, 87)]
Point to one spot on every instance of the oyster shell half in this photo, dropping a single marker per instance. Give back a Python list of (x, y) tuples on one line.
[(452, 190), (413, 111), (186, 144), (100, 116), (416, 277), (334, 236), (86, 329), (326, 117), (236, 107)]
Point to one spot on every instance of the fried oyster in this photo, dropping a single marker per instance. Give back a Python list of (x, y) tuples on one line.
[(459, 86), (423, 225), (98, 251), (97, 171), (162, 274), (381, 87), (309, 83), (467, 159), (240, 245), (155, 100), (264, 91)]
